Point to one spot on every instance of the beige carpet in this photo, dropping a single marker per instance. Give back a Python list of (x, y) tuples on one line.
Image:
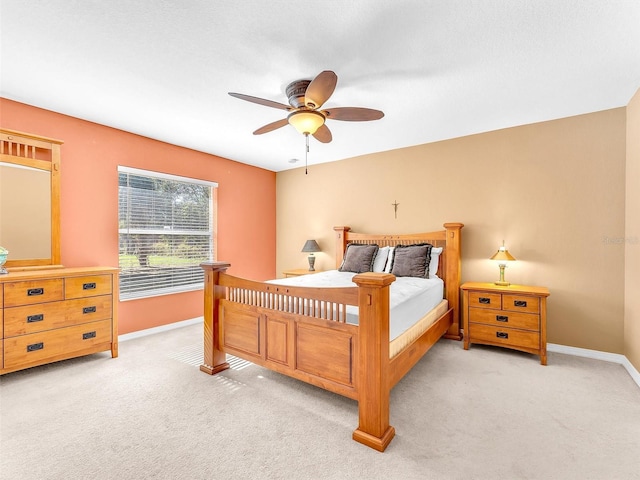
[(485, 413)]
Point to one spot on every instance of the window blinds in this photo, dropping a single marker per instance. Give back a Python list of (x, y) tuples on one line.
[(166, 229)]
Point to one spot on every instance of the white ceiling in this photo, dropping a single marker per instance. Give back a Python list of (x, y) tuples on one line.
[(437, 69)]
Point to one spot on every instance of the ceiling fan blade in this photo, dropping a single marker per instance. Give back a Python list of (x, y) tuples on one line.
[(353, 114), (320, 89), (271, 126), (323, 134), (260, 101)]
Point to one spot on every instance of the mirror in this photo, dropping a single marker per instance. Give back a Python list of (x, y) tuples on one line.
[(29, 199)]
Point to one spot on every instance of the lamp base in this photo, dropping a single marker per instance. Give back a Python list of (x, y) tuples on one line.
[(502, 281), (312, 261)]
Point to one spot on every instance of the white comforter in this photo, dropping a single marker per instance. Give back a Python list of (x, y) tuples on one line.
[(410, 298)]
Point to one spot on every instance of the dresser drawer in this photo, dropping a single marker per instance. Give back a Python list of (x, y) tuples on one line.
[(33, 291), (1, 318), (90, 286), (520, 303), (508, 337), (46, 316), (37, 348), (485, 300), (504, 318)]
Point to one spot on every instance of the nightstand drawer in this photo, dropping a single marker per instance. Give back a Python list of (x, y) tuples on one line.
[(503, 318), (505, 336), (298, 272), (485, 300), (520, 303)]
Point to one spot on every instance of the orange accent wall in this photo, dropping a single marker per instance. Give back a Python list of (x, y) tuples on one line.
[(91, 154)]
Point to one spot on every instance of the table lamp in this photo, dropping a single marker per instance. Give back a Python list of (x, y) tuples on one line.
[(310, 247), (502, 256)]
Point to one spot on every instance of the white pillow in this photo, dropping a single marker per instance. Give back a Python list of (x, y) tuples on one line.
[(381, 259), (433, 263), (387, 267)]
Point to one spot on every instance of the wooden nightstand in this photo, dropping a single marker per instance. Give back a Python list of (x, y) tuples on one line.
[(514, 316), (296, 272)]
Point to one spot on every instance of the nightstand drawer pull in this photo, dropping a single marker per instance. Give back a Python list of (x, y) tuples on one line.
[(89, 310), (35, 346), (484, 300), (32, 292), (35, 318), (502, 318), (502, 335), (89, 286), (520, 303), (88, 335)]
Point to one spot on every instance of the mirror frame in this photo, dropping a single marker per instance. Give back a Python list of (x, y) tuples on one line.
[(41, 153)]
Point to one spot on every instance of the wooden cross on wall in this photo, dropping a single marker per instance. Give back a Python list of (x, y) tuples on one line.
[(395, 208)]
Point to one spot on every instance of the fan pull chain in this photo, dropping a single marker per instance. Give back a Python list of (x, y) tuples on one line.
[(306, 136)]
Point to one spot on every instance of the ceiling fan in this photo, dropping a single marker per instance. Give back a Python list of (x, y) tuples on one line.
[(306, 98)]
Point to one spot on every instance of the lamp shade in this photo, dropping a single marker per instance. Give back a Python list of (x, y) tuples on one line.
[(306, 121), (311, 246), (503, 255)]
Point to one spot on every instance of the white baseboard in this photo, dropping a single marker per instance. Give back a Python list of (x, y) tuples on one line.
[(161, 328), (605, 356), (551, 347)]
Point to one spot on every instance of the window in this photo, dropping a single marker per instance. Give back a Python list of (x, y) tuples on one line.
[(166, 229)]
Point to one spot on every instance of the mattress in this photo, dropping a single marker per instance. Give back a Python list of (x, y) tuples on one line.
[(410, 298)]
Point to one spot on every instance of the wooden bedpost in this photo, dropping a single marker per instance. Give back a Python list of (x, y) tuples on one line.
[(453, 275), (372, 375), (341, 244), (215, 360)]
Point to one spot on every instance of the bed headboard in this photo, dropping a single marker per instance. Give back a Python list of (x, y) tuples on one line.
[(449, 266)]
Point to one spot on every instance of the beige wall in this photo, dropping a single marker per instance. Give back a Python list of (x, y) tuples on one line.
[(632, 236), (554, 191)]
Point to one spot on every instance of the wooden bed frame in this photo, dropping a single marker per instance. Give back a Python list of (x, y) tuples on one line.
[(302, 332)]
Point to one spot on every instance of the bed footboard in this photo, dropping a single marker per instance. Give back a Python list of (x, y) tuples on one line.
[(303, 333)]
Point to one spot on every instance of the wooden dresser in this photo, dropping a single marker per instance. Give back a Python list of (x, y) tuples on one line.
[(58, 313), (513, 316)]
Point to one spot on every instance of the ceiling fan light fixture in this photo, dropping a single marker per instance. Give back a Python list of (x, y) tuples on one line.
[(306, 121), (306, 97)]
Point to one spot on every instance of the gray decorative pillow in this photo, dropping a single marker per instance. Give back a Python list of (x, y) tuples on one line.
[(412, 260), (358, 258)]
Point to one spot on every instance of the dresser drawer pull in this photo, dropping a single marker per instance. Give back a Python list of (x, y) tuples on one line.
[(89, 286), (35, 318), (502, 318), (519, 303), (89, 309), (32, 292), (502, 335), (88, 335), (484, 300), (35, 346)]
